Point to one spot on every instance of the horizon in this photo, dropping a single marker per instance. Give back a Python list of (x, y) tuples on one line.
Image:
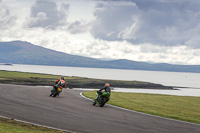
[(139, 30)]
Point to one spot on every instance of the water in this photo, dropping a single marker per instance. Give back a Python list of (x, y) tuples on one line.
[(179, 79)]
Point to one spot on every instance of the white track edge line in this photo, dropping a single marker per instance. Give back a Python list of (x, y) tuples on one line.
[(37, 124), (143, 113)]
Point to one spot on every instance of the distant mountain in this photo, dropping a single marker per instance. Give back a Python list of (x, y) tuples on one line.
[(18, 52)]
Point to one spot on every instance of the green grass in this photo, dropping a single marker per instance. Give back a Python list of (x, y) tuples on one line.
[(26, 78), (183, 108), (12, 126), (23, 78)]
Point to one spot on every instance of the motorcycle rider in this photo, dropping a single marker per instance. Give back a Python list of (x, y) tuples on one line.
[(105, 89), (60, 83)]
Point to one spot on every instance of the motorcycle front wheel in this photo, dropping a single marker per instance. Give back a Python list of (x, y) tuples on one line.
[(94, 102)]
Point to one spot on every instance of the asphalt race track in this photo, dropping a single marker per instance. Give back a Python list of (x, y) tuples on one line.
[(74, 113)]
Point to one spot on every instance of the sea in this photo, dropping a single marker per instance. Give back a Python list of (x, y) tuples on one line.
[(185, 84)]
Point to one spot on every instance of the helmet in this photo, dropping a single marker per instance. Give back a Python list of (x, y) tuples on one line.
[(107, 84), (62, 78)]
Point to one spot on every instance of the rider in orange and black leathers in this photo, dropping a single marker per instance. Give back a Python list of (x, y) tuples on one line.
[(60, 83)]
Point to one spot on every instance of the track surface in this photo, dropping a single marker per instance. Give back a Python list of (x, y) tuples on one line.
[(72, 112)]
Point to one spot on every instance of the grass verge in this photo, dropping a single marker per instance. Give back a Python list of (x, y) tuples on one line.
[(12, 126), (22, 78), (184, 108)]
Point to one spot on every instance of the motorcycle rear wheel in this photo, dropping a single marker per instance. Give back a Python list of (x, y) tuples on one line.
[(101, 105), (103, 102)]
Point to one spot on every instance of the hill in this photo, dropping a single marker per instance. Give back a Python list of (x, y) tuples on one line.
[(18, 52)]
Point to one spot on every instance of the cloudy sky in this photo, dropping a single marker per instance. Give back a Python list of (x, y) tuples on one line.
[(161, 31)]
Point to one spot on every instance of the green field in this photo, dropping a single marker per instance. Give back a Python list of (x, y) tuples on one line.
[(183, 108), (12, 126), (22, 78)]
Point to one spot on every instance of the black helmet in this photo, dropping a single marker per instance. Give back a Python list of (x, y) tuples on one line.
[(62, 78)]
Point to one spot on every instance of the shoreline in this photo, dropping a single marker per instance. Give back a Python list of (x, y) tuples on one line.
[(165, 78), (37, 79)]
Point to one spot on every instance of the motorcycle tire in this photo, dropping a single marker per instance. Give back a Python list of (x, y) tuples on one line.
[(103, 102), (101, 105), (54, 95), (94, 102)]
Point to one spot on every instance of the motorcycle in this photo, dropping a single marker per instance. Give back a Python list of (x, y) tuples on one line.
[(101, 99), (55, 91)]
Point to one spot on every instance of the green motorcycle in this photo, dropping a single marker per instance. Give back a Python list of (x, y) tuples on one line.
[(101, 99)]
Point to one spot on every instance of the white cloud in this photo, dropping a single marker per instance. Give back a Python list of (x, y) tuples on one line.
[(120, 30), (6, 19), (78, 27), (167, 23), (40, 18), (194, 42), (129, 32), (112, 18), (45, 13)]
